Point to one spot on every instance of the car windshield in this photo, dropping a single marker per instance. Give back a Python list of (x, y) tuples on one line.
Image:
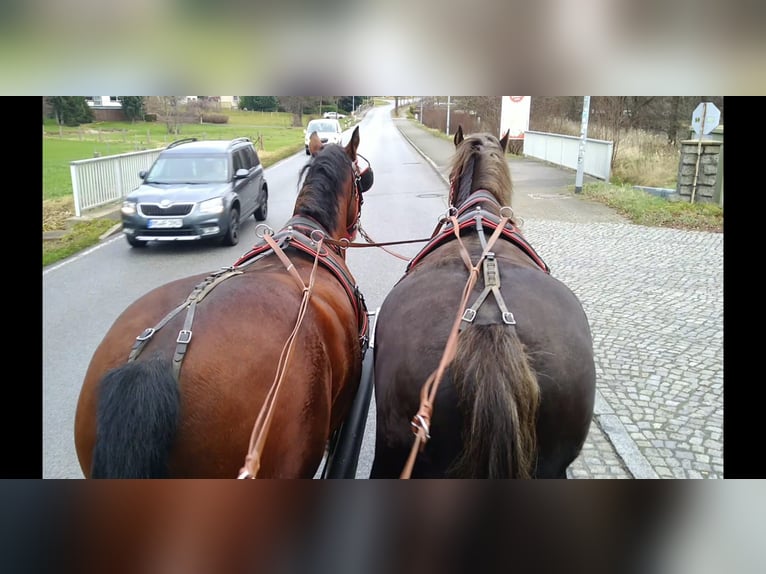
[(322, 127), (189, 169)]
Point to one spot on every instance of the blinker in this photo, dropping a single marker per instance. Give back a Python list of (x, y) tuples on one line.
[(366, 178)]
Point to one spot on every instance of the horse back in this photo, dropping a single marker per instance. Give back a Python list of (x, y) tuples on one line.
[(418, 314)]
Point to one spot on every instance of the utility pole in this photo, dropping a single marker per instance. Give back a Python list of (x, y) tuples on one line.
[(583, 137), (421, 110), (353, 108), (448, 102)]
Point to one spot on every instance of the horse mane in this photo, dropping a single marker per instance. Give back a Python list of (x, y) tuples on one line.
[(322, 182), (480, 158)]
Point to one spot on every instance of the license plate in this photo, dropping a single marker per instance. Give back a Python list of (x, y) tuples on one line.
[(165, 223)]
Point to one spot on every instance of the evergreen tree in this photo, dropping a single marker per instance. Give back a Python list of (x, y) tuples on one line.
[(133, 107), (71, 110), (258, 103)]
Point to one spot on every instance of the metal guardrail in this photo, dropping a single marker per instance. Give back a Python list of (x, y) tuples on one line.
[(563, 150), (103, 180)]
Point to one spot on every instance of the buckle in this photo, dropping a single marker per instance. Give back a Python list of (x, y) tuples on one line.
[(147, 334), (469, 315), (184, 336), (508, 318)]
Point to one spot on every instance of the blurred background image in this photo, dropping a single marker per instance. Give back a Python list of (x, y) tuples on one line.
[(295, 46), (347, 527)]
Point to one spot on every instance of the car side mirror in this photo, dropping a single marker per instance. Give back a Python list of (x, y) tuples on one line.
[(241, 173), (142, 174)]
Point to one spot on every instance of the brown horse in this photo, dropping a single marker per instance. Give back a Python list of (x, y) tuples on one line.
[(478, 346), (252, 368)]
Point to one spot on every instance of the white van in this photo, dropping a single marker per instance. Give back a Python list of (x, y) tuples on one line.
[(329, 131)]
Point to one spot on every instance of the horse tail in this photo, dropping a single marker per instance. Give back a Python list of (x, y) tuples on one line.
[(136, 420), (500, 396)]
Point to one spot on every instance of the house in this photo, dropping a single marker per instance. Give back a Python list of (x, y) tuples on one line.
[(106, 108), (222, 102), (109, 108)]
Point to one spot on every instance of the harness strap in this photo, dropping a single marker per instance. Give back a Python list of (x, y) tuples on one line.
[(184, 336), (468, 219), (480, 230), (491, 285), (298, 234), (182, 342), (422, 419)]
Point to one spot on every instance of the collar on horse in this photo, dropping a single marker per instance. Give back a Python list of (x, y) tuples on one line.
[(297, 234), (472, 216)]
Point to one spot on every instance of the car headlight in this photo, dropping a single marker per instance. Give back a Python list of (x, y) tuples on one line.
[(128, 208), (214, 205)]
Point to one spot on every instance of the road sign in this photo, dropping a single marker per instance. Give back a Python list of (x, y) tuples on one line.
[(705, 118), (514, 116)]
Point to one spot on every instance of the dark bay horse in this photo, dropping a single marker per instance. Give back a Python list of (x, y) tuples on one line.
[(247, 371), (479, 347)]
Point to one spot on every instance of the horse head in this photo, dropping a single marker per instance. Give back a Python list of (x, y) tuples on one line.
[(479, 164), (332, 185)]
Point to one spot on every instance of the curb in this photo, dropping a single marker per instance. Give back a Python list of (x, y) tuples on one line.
[(423, 154), (111, 231)]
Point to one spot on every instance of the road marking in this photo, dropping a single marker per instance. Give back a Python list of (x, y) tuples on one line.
[(79, 256)]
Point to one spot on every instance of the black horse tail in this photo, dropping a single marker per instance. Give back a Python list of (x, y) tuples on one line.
[(500, 396), (136, 420)]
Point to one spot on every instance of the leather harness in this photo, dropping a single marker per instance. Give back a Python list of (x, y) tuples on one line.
[(479, 218), (296, 234), (471, 216)]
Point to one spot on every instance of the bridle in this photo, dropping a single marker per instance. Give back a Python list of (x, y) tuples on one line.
[(357, 197)]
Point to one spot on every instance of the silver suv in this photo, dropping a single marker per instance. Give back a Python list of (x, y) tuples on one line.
[(197, 190)]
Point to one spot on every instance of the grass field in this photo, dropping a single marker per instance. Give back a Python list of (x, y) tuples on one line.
[(271, 133)]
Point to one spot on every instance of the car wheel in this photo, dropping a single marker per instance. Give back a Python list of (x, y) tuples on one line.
[(263, 211), (232, 234), (135, 242)]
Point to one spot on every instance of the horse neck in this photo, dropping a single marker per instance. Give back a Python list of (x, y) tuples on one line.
[(305, 215), (486, 199), (473, 181)]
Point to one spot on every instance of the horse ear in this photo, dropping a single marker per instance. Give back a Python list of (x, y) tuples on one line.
[(458, 135), (504, 140), (315, 144), (353, 144)]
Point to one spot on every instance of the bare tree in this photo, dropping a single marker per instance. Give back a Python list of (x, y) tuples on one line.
[(486, 108), (199, 107), (295, 105), (556, 114), (168, 109)]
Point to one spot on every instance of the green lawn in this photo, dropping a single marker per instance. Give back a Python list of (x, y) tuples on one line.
[(270, 131)]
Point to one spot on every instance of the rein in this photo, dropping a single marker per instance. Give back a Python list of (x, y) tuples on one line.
[(344, 244), (421, 420), (263, 422)]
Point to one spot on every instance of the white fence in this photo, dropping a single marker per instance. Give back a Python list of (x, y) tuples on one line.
[(103, 180), (563, 150)]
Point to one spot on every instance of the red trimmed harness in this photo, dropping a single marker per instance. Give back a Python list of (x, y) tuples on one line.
[(478, 218), (297, 234)]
